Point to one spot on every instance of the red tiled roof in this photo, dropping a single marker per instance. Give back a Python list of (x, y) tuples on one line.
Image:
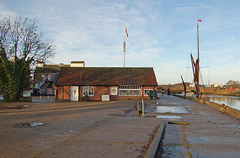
[(106, 76), (50, 68)]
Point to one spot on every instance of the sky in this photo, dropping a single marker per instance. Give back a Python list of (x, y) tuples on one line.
[(161, 34)]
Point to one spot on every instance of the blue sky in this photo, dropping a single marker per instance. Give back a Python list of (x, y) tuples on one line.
[(162, 34)]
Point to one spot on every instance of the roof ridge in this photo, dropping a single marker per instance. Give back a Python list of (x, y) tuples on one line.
[(109, 67)]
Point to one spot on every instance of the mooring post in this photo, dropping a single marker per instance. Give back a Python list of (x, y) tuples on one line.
[(142, 107)]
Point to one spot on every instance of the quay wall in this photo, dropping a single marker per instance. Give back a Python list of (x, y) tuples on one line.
[(226, 110)]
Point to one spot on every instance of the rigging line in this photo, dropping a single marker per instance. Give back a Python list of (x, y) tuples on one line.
[(207, 61), (202, 82), (209, 77), (205, 54), (189, 61)]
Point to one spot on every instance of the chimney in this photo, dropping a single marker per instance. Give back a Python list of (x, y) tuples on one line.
[(40, 64), (77, 64)]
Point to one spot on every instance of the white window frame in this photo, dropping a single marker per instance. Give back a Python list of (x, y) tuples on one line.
[(130, 88), (147, 90), (86, 89)]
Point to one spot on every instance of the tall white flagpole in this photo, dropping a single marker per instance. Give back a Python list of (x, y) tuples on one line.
[(124, 46)]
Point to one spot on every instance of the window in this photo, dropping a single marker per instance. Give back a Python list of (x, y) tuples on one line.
[(49, 77), (88, 90), (130, 90), (147, 92), (50, 91)]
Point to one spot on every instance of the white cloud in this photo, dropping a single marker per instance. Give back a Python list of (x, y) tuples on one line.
[(161, 33), (4, 12)]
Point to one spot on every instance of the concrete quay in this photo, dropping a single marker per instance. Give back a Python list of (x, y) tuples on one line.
[(114, 129), (201, 131), (75, 129)]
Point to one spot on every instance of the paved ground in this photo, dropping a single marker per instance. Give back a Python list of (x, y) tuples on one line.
[(113, 129), (209, 133), (75, 129)]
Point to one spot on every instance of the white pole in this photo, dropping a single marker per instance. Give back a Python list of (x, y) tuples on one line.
[(142, 107), (124, 60), (124, 46)]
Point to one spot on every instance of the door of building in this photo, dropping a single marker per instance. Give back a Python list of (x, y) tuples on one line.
[(74, 93)]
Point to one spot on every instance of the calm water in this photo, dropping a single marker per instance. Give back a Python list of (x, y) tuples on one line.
[(233, 102)]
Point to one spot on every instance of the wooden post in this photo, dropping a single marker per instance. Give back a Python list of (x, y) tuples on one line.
[(142, 108), (184, 86)]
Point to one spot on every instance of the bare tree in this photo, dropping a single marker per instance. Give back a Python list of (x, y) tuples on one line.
[(20, 37), (20, 41), (233, 84)]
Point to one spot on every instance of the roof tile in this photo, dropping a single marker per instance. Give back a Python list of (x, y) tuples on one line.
[(107, 76)]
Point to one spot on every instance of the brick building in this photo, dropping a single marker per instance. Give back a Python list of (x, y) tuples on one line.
[(105, 83), (45, 76)]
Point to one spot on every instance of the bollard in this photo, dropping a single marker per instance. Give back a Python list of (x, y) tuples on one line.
[(48, 97), (142, 108)]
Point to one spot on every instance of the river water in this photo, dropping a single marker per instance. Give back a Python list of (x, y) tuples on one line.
[(231, 101)]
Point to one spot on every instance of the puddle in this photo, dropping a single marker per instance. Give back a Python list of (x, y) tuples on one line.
[(168, 117), (173, 151), (29, 124), (171, 109)]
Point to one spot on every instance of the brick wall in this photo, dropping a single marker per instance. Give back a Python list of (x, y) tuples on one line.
[(50, 91), (64, 92), (98, 92)]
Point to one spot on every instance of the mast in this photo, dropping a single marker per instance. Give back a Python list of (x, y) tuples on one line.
[(198, 60), (195, 65)]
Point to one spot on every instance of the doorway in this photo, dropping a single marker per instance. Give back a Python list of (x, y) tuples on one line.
[(74, 93)]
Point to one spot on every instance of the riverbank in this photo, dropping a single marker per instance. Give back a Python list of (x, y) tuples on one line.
[(194, 129), (225, 109), (178, 89)]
